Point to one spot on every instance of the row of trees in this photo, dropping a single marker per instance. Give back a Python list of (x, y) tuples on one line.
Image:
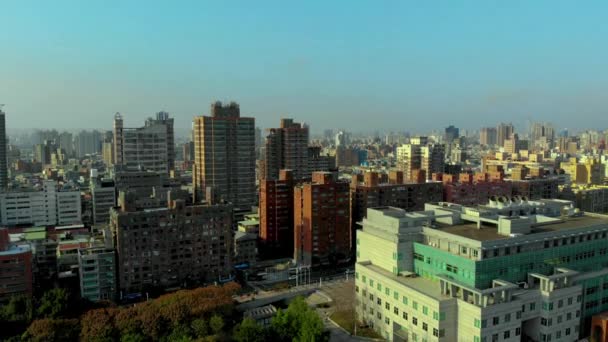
[(181, 316)]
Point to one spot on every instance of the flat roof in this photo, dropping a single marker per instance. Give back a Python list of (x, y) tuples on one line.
[(489, 233), (249, 223), (423, 285)]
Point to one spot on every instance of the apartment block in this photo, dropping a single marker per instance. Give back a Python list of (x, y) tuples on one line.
[(49, 204), (276, 214), (287, 148), (487, 136), (510, 270), (15, 268), (591, 198), (537, 188), (318, 161), (97, 270), (103, 197), (151, 147), (368, 191), (321, 221), (224, 148), (172, 246), (476, 189)]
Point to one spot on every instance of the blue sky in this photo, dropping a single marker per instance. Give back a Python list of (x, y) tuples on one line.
[(359, 65)]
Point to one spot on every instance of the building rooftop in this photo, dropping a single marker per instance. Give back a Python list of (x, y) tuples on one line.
[(249, 223), (423, 285), (490, 232)]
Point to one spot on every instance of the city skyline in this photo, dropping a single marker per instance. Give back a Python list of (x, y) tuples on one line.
[(406, 65)]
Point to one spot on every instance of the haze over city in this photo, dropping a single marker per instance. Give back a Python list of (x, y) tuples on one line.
[(408, 65)]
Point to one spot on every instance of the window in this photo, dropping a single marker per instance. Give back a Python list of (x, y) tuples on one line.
[(559, 319), (495, 320), (508, 317), (379, 287), (371, 297), (560, 303), (405, 300), (425, 326), (442, 316), (396, 295), (387, 320), (518, 315), (364, 278), (517, 331), (484, 323), (451, 268), (404, 315), (425, 310), (476, 339), (414, 321), (371, 282), (415, 305), (532, 306), (379, 301), (567, 331), (495, 338), (570, 301), (396, 310), (435, 332), (436, 315), (558, 334), (477, 323), (506, 334), (568, 316), (387, 306), (387, 291), (543, 321)]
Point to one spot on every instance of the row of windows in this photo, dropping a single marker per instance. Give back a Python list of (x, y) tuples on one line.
[(496, 337), (558, 334), (405, 316)]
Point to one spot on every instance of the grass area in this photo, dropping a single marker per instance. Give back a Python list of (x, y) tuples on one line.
[(346, 319)]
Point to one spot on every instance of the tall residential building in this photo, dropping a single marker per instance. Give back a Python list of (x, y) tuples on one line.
[(505, 271), (409, 159), (287, 148), (3, 153), (103, 195), (319, 162), (224, 148), (514, 144), (177, 245), (15, 268), (539, 130), (488, 136), (97, 273), (503, 132), (451, 133), (321, 221), (66, 142), (432, 159), (87, 142), (276, 214), (151, 147), (50, 205)]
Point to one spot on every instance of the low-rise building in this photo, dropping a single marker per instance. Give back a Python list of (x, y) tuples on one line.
[(97, 270), (15, 268), (245, 248)]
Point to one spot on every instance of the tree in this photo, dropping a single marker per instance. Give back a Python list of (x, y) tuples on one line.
[(51, 330), (97, 325), (216, 323), (18, 309), (180, 333), (54, 303), (249, 331), (132, 337), (298, 322), (199, 327)]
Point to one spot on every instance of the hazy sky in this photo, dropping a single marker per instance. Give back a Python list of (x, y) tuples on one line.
[(360, 65)]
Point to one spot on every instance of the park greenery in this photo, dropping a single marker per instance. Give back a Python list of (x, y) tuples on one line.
[(202, 314)]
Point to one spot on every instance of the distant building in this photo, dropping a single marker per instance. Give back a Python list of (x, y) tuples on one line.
[(15, 268), (321, 221), (451, 133), (3, 153), (592, 198), (287, 148), (432, 159), (49, 205), (347, 156), (540, 188), (151, 147), (503, 132), (87, 142), (97, 271), (224, 148), (177, 245), (409, 159), (487, 136)]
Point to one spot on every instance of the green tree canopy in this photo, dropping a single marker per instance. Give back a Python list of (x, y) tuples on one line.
[(249, 331), (54, 303)]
